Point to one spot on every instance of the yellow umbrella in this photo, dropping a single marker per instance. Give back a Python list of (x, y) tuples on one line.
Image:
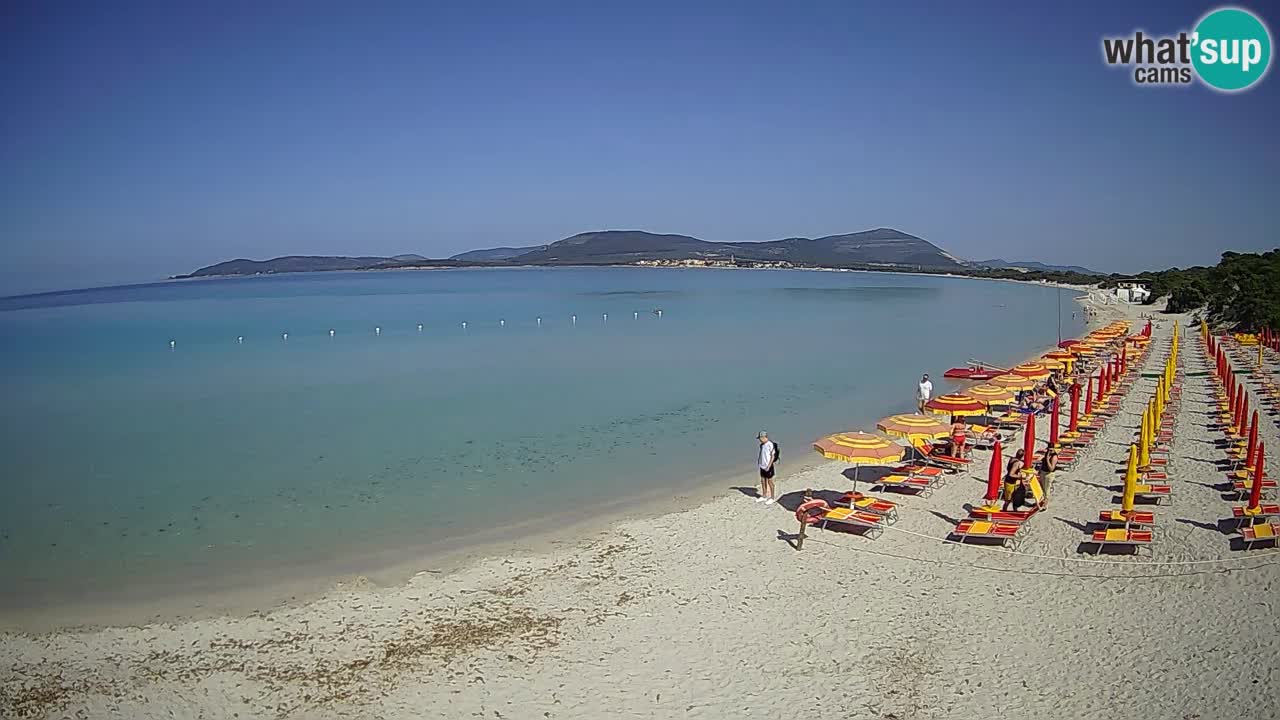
[(914, 427), (1052, 364), (1013, 382), (1130, 480), (859, 448), (956, 404), (1031, 370), (991, 394)]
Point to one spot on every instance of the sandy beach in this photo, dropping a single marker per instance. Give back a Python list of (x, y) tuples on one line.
[(711, 612)]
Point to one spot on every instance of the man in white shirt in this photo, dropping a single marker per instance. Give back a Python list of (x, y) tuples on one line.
[(923, 393), (767, 459)]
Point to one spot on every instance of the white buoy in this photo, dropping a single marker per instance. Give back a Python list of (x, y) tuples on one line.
[(635, 316), (419, 327), (240, 340), (539, 322), (502, 323), (330, 333), (173, 344), (284, 336), (659, 312), (377, 331), (574, 318), (606, 317), (464, 325)]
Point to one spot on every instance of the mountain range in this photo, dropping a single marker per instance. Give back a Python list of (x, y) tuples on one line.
[(881, 248)]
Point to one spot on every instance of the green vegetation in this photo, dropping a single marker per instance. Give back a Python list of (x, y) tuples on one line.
[(1242, 291)]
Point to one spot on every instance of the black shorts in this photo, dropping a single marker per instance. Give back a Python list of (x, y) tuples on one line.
[(767, 474)]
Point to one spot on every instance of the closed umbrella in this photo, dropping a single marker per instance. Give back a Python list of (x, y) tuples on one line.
[(1130, 480), (993, 475), (1255, 492), (1252, 447), (1054, 420), (858, 449), (1029, 438)]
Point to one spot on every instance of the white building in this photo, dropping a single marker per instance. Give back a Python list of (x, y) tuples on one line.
[(1132, 292)]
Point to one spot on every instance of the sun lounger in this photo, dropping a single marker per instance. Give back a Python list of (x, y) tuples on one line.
[(923, 486), (1122, 537), (933, 455), (1242, 487), (869, 523), (1001, 516), (1265, 511), (1263, 532), (1004, 532), (1158, 493), (865, 503), (1139, 518)]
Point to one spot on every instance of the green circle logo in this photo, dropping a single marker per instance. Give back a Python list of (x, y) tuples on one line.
[(1232, 49)]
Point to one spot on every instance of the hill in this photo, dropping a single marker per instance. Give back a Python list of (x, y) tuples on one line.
[(998, 263), (498, 253)]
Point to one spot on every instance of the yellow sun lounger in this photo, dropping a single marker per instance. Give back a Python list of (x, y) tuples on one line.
[(870, 523), (1263, 532)]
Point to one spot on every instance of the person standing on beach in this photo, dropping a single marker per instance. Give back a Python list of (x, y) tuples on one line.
[(923, 393), (1048, 466), (767, 460)]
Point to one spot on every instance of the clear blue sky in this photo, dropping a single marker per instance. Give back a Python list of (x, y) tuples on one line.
[(139, 140)]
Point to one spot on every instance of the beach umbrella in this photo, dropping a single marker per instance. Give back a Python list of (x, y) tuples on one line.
[(1255, 492), (914, 427), (1074, 427), (1062, 355), (1053, 424), (1013, 382), (956, 404), (1031, 371), (1082, 349), (993, 475), (1130, 480), (1088, 399), (1144, 437), (1029, 438), (858, 449), (1052, 364), (991, 394), (1064, 344), (1252, 447), (1101, 382)]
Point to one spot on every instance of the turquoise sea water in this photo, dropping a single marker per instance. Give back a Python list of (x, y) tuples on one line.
[(125, 461)]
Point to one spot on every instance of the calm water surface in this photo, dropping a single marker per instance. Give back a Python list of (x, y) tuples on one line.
[(123, 461)]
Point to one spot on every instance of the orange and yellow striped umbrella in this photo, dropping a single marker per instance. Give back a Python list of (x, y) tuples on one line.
[(1083, 349), (859, 448), (956, 404), (1031, 371), (914, 427), (1013, 382), (991, 394), (1052, 363), (1062, 355)]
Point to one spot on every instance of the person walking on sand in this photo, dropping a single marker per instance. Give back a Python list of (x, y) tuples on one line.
[(923, 393), (768, 459)]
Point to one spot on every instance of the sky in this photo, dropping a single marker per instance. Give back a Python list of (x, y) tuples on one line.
[(140, 140)]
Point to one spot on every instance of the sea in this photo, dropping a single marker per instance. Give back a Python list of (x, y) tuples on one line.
[(188, 434)]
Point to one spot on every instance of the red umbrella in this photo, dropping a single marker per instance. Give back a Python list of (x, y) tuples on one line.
[(1252, 447), (1100, 384), (993, 475), (1088, 399), (1068, 343), (1244, 413), (1074, 427), (1029, 438), (1124, 358), (1053, 424), (1255, 492)]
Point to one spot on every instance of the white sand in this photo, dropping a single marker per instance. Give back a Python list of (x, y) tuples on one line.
[(710, 613)]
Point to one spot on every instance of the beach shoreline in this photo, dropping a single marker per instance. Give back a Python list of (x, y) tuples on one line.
[(710, 611), (392, 564)]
